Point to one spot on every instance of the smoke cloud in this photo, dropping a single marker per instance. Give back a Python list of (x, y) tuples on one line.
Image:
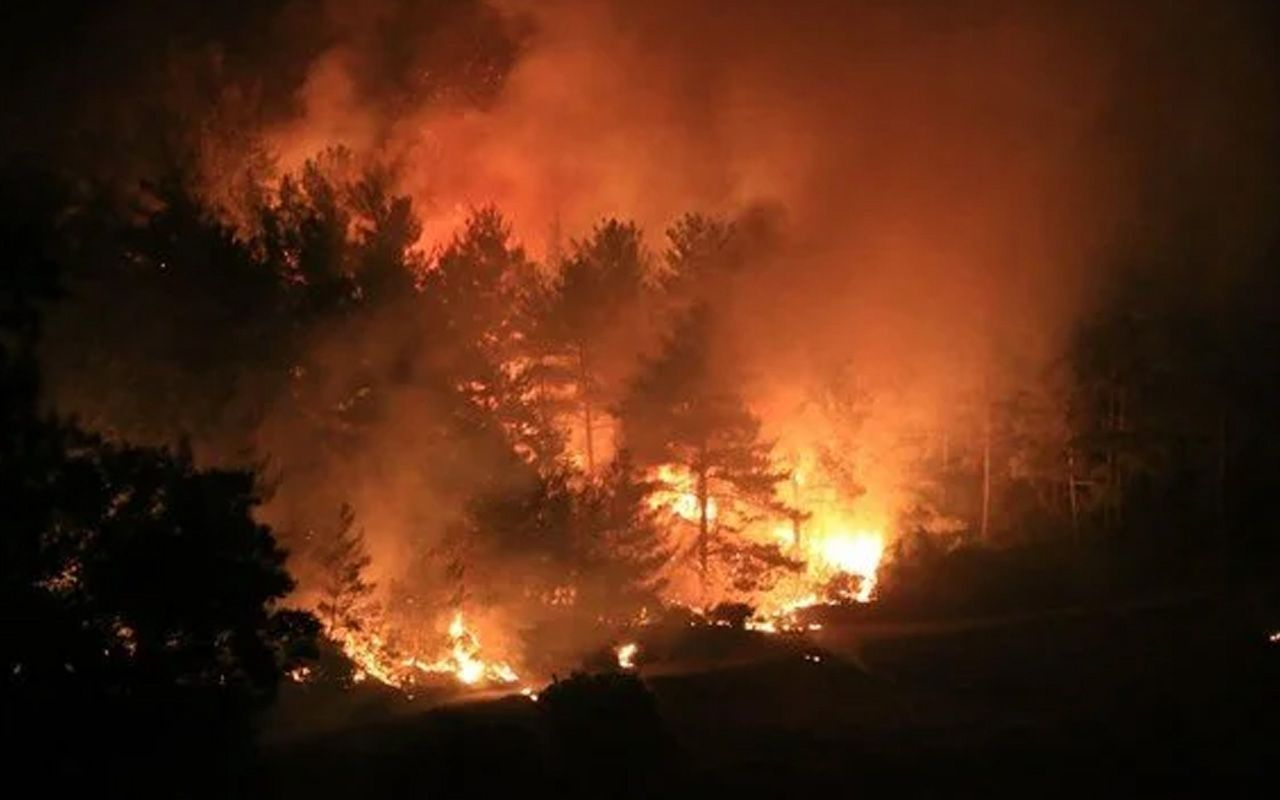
[(948, 173), (950, 185), (938, 190)]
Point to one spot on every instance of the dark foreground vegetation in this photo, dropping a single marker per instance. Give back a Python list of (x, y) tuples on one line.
[(1113, 701)]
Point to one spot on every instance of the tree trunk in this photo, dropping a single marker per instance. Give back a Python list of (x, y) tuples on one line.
[(584, 386), (704, 522), (797, 542), (589, 424)]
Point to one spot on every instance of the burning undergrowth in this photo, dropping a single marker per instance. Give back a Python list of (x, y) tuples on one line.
[(528, 462)]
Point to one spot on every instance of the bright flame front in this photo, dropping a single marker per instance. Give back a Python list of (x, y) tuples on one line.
[(374, 658), (856, 554)]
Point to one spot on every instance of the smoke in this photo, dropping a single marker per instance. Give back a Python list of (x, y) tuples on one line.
[(938, 191), (950, 174), (948, 186)]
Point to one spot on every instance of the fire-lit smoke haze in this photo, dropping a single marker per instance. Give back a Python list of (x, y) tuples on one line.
[(945, 180), (944, 175), (712, 397), (931, 196), (942, 186)]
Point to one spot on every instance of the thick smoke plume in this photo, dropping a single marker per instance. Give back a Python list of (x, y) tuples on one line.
[(947, 174), (933, 194), (947, 185)]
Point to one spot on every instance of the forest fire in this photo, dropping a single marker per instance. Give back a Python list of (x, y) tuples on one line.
[(374, 658), (828, 560), (463, 661)]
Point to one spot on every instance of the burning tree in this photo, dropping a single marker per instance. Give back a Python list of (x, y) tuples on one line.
[(623, 552), (477, 296), (134, 585), (682, 412), (589, 317), (344, 593)]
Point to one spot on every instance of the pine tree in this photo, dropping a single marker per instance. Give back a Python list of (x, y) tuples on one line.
[(701, 252), (683, 411), (623, 552), (477, 297), (344, 592), (590, 323)]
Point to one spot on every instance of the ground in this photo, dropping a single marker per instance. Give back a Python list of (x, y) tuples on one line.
[(1108, 699)]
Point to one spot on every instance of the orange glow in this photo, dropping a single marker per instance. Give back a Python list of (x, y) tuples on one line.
[(374, 658), (626, 654), (677, 492), (463, 661), (857, 554)]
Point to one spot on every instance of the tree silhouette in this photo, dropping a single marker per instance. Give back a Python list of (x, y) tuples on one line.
[(590, 322), (608, 732), (622, 550), (342, 561), (682, 410), (477, 297), (702, 251), (137, 590)]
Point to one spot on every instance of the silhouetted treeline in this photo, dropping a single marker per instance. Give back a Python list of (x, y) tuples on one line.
[(138, 592), (1147, 454), (322, 340)]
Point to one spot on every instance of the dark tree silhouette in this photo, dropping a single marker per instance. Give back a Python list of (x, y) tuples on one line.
[(623, 551), (609, 735), (342, 561), (684, 410), (137, 591), (702, 251), (590, 323), (477, 297)]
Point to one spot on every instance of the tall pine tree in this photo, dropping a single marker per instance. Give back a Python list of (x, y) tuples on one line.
[(591, 322), (683, 411), (344, 592)]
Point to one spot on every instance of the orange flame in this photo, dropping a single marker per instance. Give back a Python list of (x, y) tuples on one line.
[(677, 493), (626, 654), (375, 659)]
